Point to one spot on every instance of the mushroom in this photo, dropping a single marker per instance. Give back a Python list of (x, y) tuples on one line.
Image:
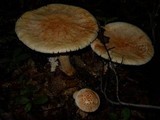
[(58, 29), (127, 44), (87, 100)]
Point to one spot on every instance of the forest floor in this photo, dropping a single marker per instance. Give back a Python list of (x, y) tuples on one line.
[(33, 92)]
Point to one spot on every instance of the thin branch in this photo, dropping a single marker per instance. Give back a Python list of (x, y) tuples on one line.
[(103, 90)]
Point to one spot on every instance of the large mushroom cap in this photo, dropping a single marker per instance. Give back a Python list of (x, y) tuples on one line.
[(57, 28), (128, 44)]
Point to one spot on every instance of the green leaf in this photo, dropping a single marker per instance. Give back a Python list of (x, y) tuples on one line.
[(25, 92), (28, 90), (28, 107), (22, 100), (40, 100), (125, 114)]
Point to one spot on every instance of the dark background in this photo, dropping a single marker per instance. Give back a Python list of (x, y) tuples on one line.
[(142, 13)]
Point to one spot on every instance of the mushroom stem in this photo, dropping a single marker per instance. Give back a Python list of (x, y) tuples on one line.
[(65, 65)]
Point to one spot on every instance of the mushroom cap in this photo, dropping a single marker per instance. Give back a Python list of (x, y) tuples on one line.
[(127, 44), (56, 28), (87, 100)]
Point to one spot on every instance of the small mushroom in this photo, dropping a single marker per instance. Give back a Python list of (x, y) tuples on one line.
[(87, 100), (57, 28), (127, 44)]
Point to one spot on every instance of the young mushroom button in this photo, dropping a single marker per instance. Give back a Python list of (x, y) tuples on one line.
[(127, 44), (87, 100), (58, 29)]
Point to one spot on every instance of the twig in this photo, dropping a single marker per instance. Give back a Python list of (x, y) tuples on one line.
[(103, 90)]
